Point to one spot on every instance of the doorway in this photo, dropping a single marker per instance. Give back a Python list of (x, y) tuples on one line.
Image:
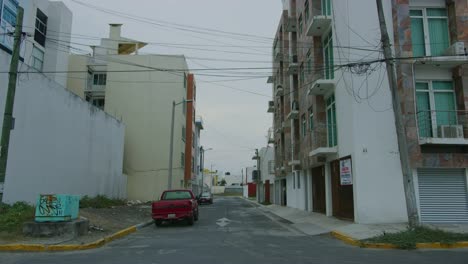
[(318, 190), (342, 195)]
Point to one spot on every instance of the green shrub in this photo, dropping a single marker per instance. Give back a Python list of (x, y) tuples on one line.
[(407, 239), (12, 217), (100, 201)]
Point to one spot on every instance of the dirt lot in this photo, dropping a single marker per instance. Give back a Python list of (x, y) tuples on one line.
[(103, 222)]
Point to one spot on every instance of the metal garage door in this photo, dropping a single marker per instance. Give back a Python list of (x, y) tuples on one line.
[(443, 195)]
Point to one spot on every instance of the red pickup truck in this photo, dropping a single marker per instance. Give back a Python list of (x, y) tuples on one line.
[(175, 205)]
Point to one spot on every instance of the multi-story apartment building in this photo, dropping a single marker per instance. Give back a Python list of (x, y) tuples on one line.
[(198, 158), (140, 91), (344, 159), (48, 26)]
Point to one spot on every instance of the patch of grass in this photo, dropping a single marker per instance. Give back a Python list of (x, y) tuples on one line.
[(100, 201), (407, 239), (266, 203), (13, 216)]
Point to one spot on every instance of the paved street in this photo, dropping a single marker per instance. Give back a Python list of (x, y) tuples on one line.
[(232, 230)]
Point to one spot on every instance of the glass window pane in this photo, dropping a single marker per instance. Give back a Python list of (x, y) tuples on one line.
[(441, 85), (424, 114), (416, 13), (445, 108), (438, 35), (417, 37), (436, 12), (422, 86)]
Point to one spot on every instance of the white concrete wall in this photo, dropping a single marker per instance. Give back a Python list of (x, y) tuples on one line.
[(60, 143), (296, 195), (266, 154), (366, 128)]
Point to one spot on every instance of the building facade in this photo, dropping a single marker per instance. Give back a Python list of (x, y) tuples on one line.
[(335, 137), (266, 186), (58, 143), (140, 90)]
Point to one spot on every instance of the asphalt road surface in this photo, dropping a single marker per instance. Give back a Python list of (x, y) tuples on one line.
[(233, 230)]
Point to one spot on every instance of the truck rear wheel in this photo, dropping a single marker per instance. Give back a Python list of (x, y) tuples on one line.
[(158, 222), (190, 220)]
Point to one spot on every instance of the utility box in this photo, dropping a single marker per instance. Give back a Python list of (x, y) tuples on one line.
[(57, 207)]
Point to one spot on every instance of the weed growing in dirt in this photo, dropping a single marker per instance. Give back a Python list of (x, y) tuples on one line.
[(100, 201), (13, 216)]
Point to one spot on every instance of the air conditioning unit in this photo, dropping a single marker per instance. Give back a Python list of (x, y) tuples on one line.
[(456, 49), (451, 131)]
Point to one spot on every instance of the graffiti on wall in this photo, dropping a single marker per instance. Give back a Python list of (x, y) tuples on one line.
[(49, 205)]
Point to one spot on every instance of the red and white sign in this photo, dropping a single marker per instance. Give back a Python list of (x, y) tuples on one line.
[(346, 175)]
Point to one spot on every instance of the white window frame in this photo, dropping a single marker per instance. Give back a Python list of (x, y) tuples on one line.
[(431, 93), (36, 59), (101, 79), (427, 42)]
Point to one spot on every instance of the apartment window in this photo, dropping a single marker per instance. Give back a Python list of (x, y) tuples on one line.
[(193, 140), (298, 175), (327, 7), (183, 133), (306, 11), (98, 102), (311, 119), (294, 182), (303, 125), (193, 164), (300, 25), (309, 61), (99, 79), (41, 28), (9, 16), (429, 31), (301, 75), (182, 160), (37, 59), (184, 107), (435, 103), (185, 81), (332, 136), (328, 56), (271, 166)]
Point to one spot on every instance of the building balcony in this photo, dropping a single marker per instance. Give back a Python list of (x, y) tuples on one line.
[(319, 25), (438, 127), (324, 143), (271, 136), (455, 55), (291, 25), (271, 107), (293, 68), (278, 54), (294, 114), (324, 151), (95, 88), (271, 79), (279, 90), (322, 86)]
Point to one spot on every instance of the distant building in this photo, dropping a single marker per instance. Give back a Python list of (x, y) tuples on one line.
[(139, 90)]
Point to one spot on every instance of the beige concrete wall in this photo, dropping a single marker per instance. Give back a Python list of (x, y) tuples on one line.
[(143, 101), (76, 82)]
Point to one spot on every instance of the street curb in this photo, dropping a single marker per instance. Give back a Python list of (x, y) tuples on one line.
[(96, 244), (437, 245)]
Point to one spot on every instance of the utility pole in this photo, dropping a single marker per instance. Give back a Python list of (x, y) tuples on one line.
[(202, 166), (413, 217), (171, 148), (10, 98)]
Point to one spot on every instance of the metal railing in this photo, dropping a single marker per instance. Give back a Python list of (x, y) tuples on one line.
[(442, 123)]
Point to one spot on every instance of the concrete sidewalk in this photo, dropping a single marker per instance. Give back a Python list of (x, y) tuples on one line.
[(316, 224)]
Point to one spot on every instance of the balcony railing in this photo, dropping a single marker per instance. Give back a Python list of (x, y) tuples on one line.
[(95, 88), (442, 127), (322, 141), (320, 23)]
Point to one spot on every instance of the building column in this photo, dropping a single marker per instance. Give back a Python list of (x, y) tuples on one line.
[(328, 190)]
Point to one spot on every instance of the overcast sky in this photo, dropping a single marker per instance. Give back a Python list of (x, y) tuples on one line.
[(236, 122)]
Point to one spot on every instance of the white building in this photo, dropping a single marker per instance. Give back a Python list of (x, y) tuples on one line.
[(266, 186), (59, 143)]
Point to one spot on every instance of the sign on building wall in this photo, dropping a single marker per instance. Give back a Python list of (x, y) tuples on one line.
[(346, 175)]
